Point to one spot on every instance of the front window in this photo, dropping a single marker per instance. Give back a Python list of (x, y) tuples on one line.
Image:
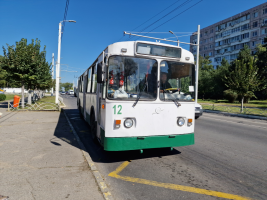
[(177, 81), (132, 78)]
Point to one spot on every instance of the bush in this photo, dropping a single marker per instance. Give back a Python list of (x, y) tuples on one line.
[(230, 95), (2, 97)]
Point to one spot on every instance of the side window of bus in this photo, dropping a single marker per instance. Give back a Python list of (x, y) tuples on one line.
[(89, 83), (82, 84), (103, 87), (94, 83)]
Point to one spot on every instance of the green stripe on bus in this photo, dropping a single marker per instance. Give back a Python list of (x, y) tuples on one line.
[(148, 142)]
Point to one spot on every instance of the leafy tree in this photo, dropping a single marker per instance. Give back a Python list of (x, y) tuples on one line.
[(2, 73), (67, 86), (261, 53), (205, 82), (26, 64), (218, 79), (245, 79)]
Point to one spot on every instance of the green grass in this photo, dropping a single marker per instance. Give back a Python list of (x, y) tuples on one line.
[(50, 99), (10, 96), (231, 109), (252, 103)]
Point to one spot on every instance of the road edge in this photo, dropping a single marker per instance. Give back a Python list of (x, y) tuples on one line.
[(235, 115), (98, 177)]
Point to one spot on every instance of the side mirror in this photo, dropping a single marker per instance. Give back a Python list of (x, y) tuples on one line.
[(99, 73)]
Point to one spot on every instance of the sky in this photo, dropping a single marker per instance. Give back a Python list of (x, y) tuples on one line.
[(101, 23)]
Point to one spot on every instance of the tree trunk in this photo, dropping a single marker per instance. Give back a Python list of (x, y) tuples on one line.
[(22, 94), (242, 103)]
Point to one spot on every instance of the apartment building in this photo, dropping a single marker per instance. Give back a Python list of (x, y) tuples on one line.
[(225, 38)]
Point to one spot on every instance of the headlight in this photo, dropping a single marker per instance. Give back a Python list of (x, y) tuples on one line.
[(180, 121), (128, 123)]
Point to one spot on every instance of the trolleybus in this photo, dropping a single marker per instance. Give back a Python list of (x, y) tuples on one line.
[(139, 95)]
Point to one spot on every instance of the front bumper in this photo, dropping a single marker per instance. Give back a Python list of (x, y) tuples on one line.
[(148, 142), (198, 112)]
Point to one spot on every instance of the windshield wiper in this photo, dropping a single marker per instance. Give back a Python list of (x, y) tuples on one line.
[(139, 95), (176, 103)]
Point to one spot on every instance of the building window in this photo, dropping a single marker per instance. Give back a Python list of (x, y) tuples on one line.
[(264, 11), (253, 43), (264, 21), (255, 14), (210, 53), (211, 30), (262, 41), (210, 46), (254, 33), (204, 55), (255, 24), (264, 31), (200, 34), (211, 38)]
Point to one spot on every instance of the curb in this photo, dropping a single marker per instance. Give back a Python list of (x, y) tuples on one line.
[(100, 181), (236, 115)]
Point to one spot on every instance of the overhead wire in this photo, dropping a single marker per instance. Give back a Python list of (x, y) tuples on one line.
[(172, 17), (181, 5), (152, 17), (65, 16)]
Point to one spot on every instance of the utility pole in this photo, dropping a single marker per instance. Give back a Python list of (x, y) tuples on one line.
[(197, 63), (52, 89), (58, 63)]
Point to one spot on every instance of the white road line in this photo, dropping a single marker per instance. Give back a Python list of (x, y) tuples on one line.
[(243, 119), (236, 122)]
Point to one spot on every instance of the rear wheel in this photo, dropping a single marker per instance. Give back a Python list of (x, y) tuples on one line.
[(80, 112), (93, 126)]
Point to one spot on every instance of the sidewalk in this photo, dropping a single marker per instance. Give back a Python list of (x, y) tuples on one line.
[(40, 159)]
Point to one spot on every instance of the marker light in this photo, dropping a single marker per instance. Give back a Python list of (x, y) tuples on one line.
[(124, 50), (189, 122), (128, 123), (103, 106), (180, 121), (117, 123)]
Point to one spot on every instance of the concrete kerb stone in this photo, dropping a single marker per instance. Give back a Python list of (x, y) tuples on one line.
[(100, 181), (236, 115)]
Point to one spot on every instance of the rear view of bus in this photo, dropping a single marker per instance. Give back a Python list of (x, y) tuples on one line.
[(145, 98)]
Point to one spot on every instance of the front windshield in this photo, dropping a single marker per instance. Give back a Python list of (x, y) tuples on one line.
[(177, 81), (132, 78)]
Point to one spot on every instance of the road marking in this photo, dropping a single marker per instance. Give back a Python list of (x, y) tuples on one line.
[(236, 122), (244, 119), (115, 174)]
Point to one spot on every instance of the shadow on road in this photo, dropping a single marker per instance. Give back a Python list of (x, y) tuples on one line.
[(95, 150)]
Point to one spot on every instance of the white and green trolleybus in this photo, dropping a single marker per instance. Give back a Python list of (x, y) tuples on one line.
[(139, 95)]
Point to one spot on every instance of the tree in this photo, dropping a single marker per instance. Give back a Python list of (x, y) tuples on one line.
[(2, 74), (261, 53), (218, 79), (245, 79), (205, 82), (67, 86), (26, 64)]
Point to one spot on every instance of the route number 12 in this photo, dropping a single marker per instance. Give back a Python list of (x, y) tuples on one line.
[(119, 108)]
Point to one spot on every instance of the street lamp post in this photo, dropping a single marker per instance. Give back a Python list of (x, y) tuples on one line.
[(176, 37), (58, 58)]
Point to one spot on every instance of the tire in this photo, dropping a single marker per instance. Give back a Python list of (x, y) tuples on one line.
[(80, 112), (93, 126)]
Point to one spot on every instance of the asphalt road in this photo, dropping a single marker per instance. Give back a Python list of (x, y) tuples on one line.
[(229, 156)]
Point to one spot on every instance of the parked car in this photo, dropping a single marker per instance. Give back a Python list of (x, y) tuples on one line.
[(63, 93), (2, 92), (71, 92), (198, 110)]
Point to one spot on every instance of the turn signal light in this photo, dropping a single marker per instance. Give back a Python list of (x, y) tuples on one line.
[(189, 122), (103, 106), (117, 123)]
